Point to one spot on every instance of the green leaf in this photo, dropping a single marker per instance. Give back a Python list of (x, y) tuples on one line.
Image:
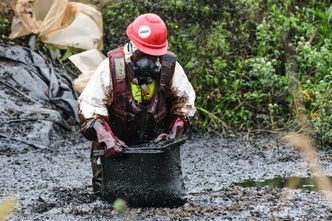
[(329, 13), (69, 52)]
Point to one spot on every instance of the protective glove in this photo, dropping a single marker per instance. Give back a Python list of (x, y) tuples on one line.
[(175, 129), (113, 146)]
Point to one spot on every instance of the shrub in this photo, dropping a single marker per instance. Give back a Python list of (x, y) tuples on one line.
[(236, 55)]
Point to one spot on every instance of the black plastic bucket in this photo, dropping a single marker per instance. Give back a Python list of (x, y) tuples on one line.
[(145, 179)]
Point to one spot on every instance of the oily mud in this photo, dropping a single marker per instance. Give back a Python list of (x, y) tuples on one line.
[(54, 183)]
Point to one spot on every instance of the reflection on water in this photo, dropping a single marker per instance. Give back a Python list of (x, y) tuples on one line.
[(308, 183)]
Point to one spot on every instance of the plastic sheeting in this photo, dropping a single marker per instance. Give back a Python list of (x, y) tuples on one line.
[(87, 62), (64, 24), (37, 100), (59, 22)]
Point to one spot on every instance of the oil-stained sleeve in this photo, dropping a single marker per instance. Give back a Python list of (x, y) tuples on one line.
[(183, 94), (97, 95)]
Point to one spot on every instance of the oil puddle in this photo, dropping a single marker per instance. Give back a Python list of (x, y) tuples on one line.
[(307, 183)]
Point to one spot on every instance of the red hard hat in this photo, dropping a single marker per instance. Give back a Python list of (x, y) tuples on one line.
[(149, 33)]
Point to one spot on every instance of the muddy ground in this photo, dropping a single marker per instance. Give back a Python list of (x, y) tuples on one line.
[(54, 183)]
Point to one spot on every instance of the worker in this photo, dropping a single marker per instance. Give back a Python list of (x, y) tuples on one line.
[(139, 93)]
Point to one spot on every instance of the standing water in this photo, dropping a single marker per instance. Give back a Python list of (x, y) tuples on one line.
[(307, 183)]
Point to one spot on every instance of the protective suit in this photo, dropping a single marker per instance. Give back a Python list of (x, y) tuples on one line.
[(96, 98)]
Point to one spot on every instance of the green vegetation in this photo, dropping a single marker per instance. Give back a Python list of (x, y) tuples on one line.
[(239, 55), (4, 27), (251, 62)]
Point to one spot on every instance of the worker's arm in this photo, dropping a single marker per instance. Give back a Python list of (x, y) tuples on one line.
[(183, 94), (183, 104), (93, 103), (97, 95)]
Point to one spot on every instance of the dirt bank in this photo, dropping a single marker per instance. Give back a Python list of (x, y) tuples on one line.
[(54, 183)]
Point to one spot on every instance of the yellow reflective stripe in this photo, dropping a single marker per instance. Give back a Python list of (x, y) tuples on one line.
[(147, 93), (136, 92)]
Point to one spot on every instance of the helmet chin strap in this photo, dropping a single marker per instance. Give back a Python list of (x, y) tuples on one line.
[(130, 48)]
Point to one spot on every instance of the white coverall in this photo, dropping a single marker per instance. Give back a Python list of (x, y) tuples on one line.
[(97, 95)]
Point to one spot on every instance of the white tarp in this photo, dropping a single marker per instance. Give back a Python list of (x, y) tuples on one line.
[(64, 24), (59, 22), (87, 62)]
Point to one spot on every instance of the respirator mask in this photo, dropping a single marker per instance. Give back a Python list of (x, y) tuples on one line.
[(144, 71)]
